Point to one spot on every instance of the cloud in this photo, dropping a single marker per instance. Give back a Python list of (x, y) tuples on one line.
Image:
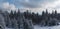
[(38, 5), (8, 6), (51, 5), (33, 5)]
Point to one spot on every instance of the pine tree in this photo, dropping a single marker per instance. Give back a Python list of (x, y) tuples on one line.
[(18, 13), (15, 24), (9, 22), (11, 14), (28, 24), (25, 24), (15, 14), (55, 12), (46, 12), (43, 13)]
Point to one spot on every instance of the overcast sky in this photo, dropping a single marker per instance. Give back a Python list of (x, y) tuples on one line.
[(32, 5)]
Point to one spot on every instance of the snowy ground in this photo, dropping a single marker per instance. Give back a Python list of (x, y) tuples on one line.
[(52, 27), (8, 28), (39, 27)]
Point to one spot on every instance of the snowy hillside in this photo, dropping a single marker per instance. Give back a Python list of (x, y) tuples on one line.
[(52, 27), (38, 27)]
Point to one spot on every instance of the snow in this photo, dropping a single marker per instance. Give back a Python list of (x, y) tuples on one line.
[(8, 28), (51, 27), (39, 27)]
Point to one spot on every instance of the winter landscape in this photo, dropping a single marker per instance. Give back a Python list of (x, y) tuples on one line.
[(29, 14), (28, 20)]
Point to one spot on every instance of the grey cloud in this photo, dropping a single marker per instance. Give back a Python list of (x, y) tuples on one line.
[(32, 3)]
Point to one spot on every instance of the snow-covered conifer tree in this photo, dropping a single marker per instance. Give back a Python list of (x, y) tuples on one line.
[(15, 24)]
